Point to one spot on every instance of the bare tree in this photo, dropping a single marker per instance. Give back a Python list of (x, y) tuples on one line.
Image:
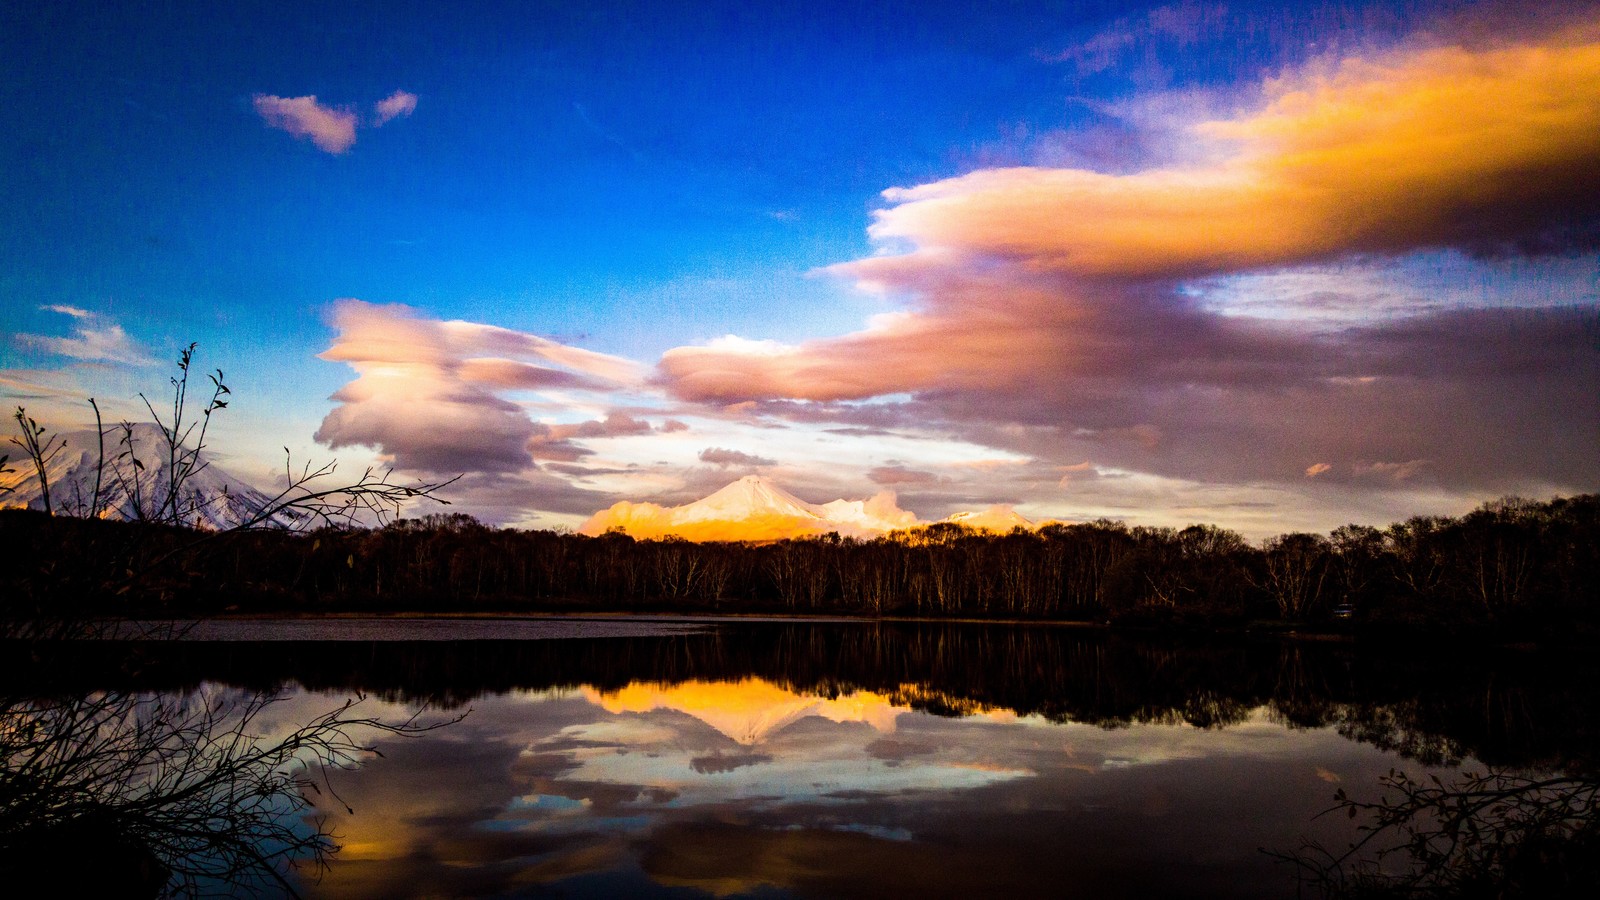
[(42, 448), (309, 496), (1489, 834)]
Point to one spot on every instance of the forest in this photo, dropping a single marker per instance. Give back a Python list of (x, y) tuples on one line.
[(1511, 564)]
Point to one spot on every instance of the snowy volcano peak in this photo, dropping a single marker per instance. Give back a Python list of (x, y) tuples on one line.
[(749, 497), (752, 509), (209, 497)]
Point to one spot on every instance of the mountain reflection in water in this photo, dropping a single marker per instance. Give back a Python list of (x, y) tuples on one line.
[(879, 760)]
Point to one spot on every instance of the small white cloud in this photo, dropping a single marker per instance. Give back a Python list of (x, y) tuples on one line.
[(74, 311), (108, 343)]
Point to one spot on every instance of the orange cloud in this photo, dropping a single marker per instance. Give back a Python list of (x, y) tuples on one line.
[(1434, 147), (1052, 311), (1439, 147)]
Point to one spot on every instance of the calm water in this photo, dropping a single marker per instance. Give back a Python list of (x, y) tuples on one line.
[(860, 760)]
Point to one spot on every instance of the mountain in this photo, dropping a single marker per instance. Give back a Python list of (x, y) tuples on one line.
[(999, 518), (751, 495), (755, 509), (211, 498), (749, 711)]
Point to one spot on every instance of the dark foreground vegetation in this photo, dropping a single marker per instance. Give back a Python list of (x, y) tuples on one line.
[(1530, 567), (109, 792)]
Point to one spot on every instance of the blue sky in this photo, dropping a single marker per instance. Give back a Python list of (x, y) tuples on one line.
[(634, 178)]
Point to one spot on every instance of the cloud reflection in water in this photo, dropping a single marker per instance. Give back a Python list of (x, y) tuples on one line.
[(724, 787)]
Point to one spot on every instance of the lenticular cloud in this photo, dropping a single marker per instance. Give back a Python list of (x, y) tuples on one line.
[(429, 394), (1060, 299)]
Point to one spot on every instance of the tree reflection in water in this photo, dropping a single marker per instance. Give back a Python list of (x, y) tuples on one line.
[(1494, 833), (139, 794), (1516, 712)]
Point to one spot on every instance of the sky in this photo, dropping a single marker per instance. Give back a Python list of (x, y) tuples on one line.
[(1269, 266)]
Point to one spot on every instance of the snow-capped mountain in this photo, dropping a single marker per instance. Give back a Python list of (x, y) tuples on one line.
[(210, 498), (750, 495), (755, 509), (1000, 519)]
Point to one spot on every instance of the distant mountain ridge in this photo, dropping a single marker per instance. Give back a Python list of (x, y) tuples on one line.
[(754, 508), (211, 498)]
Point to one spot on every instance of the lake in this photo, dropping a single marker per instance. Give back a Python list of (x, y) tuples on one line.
[(627, 757)]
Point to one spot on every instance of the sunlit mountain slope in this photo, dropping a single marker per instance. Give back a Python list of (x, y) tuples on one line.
[(755, 509)]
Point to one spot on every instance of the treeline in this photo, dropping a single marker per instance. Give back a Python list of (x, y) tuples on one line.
[(1511, 562)]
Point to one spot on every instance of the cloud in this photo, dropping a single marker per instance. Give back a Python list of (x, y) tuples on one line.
[(1316, 469), (554, 442), (1489, 150), (331, 128), (615, 424), (1184, 23), (93, 340), (897, 474), (429, 393), (399, 104), (718, 456), (1053, 312), (1392, 471)]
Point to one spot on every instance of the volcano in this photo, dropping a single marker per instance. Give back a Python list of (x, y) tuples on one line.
[(753, 509)]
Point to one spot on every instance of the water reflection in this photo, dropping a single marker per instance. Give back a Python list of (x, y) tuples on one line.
[(730, 786), (858, 760)]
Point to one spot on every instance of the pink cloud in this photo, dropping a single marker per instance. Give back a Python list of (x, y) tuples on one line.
[(897, 474), (429, 393), (397, 105), (1392, 471), (332, 129), (719, 456)]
